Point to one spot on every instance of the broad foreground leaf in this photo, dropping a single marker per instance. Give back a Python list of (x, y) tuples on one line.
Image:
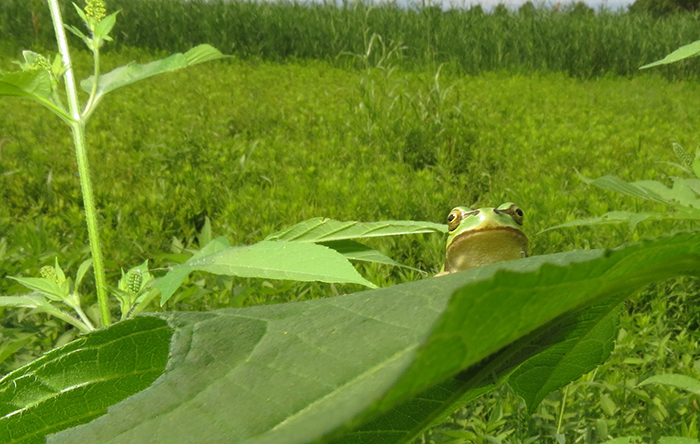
[(681, 53), (126, 75), (321, 229), (299, 372), (576, 351), (76, 383)]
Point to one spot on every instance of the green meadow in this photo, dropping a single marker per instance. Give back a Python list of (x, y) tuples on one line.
[(368, 131)]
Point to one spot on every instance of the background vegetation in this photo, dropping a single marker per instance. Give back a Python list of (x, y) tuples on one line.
[(316, 117), (571, 39)]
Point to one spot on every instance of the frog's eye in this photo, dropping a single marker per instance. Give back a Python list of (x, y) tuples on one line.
[(453, 219), (516, 213)]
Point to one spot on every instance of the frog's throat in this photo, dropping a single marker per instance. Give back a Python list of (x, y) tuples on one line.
[(482, 247)]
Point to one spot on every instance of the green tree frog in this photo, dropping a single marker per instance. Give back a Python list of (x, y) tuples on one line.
[(483, 236)]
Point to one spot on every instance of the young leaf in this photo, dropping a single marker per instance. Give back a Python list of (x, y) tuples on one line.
[(321, 229), (34, 85), (47, 287), (84, 267), (301, 372), (684, 52), (105, 26), (126, 75)]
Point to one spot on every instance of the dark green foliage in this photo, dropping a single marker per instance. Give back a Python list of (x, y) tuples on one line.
[(571, 39), (659, 8)]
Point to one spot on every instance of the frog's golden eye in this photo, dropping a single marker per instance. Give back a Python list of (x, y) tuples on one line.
[(453, 219), (516, 213)]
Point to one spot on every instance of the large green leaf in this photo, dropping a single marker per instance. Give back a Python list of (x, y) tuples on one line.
[(684, 52), (76, 383), (297, 372), (321, 229), (576, 351), (126, 75)]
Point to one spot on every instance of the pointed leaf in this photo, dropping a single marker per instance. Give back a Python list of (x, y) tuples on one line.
[(131, 73), (168, 284), (26, 301), (34, 85), (677, 440), (281, 260), (683, 382), (358, 252), (84, 267), (616, 217), (684, 52), (103, 28), (47, 287), (636, 189), (324, 230)]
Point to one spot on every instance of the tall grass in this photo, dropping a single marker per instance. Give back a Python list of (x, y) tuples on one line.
[(570, 40)]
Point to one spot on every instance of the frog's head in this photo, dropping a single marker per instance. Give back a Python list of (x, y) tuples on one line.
[(484, 236)]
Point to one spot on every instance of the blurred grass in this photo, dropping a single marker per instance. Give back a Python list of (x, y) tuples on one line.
[(570, 39)]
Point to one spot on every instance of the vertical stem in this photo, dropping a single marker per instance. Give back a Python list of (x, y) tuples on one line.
[(563, 406), (78, 130)]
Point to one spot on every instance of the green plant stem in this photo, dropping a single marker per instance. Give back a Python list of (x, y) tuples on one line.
[(78, 130), (90, 106), (561, 411)]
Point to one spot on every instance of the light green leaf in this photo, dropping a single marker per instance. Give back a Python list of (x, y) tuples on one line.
[(683, 382), (103, 28), (358, 252), (168, 284), (34, 85), (576, 350), (281, 260), (47, 287), (84, 267), (616, 217), (75, 383), (677, 440), (684, 52), (306, 371), (324, 230), (26, 301), (77, 32), (626, 440), (131, 73), (635, 189)]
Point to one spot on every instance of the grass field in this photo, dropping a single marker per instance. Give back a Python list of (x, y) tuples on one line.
[(258, 145), (571, 40)]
